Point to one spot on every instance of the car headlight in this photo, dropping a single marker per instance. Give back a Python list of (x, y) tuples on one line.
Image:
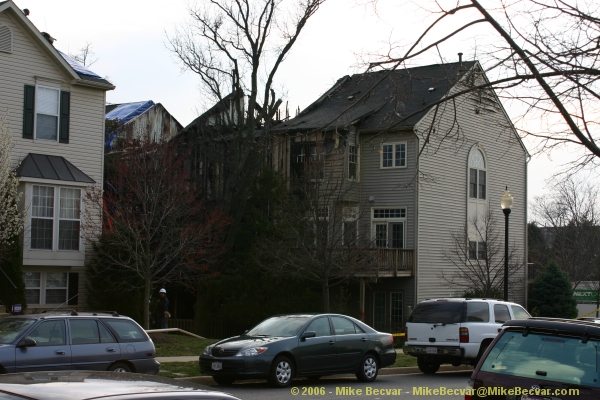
[(207, 350), (253, 351)]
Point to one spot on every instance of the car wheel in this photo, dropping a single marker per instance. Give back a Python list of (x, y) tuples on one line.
[(427, 367), (313, 377), (368, 369), (282, 372), (223, 379), (480, 354), (119, 367)]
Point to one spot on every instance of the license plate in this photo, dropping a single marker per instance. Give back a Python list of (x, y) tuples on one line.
[(217, 366), (431, 350)]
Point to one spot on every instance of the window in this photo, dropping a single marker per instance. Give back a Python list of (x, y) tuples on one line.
[(477, 176), (56, 287), (352, 162), (379, 311), (501, 314), (49, 333), (477, 250), (43, 219), (478, 311), (393, 155), (46, 112), (389, 228), (396, 311), (350, 227), (342, 326), (306, 158), (320, 327), (519, 312), (46, 287), (32, 287), (126, 331), (69, 219), (84, 331)]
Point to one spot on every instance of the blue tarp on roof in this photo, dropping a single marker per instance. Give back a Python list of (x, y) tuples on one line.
[(128, 111), (78, 67)]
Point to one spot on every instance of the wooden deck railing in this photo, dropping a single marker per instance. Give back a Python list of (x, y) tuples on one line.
[(394, 262)]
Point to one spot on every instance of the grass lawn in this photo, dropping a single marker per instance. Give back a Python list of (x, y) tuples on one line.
[(173, 345)]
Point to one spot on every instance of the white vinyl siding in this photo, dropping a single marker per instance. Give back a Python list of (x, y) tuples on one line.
[(443, 206)]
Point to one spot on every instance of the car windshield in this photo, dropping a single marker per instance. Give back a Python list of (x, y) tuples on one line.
[(12, 328), (545, 357), (287, 326)]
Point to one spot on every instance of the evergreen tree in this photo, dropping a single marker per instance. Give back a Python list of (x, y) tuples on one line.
[(551, 294)]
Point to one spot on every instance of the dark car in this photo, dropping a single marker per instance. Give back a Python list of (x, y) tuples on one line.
[(540, 359), (287, 346), (81, 385), (75, 341)]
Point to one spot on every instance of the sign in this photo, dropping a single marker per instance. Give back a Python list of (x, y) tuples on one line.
[(585, 295), (16, 308)]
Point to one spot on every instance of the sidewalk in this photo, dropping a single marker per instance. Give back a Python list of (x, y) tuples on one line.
[(207, 380)]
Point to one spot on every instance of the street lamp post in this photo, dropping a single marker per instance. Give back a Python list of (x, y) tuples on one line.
[(506, 202)]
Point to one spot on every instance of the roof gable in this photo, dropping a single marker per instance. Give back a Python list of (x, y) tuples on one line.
[(78, 73)]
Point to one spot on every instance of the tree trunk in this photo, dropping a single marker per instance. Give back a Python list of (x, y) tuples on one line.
[(326, 307), (147, 287)]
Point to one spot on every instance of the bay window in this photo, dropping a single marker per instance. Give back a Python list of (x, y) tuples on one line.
[(52, 230)]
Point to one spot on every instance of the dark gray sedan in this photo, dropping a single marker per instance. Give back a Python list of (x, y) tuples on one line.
[(311, 345), (84, 385), (77, 341)]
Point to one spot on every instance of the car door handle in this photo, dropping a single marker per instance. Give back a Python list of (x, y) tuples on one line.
[(364, 339), (499, 329), (110, 349), (60, 352), (332, 342)]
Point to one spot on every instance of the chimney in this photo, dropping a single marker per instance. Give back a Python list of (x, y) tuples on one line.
[(460, 60), (48, 38)]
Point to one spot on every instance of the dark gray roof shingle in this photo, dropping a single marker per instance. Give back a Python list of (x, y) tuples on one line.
[(379, 100)]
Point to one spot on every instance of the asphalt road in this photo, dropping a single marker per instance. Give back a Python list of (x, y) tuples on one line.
[(413, 386)]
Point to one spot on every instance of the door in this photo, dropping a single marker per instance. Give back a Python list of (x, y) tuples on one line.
[(93, 347), (317, 353), (51, 352), (350, 341)]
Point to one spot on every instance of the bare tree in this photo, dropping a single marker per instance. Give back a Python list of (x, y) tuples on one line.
[(236, 48), (477, 255), (316, 227), (543, 56), (11, 218), (571, 219), (86, 55), (154, 225)]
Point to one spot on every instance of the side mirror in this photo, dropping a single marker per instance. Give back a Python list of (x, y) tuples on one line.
[(308, 335), (27, 342)]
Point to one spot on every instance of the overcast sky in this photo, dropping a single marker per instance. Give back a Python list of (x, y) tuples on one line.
[(129, 39)]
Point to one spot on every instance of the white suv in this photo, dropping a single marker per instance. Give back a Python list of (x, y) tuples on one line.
[(455, 331)]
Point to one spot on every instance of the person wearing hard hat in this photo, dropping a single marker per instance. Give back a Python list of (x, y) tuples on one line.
[(163, 309)]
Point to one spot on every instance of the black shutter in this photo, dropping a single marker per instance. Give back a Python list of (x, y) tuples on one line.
[(65, 107), (28, 111), (73, 289)]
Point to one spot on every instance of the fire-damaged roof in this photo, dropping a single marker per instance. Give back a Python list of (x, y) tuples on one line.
[(379, 100)]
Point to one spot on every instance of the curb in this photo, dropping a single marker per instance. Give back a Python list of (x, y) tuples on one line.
[(208, 380)]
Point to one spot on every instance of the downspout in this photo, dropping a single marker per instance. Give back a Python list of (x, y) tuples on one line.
[(416, 254), (527, 159)]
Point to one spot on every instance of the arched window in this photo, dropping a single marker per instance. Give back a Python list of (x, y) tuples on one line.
[(477, 175)]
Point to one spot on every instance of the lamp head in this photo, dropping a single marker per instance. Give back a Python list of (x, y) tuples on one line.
[(506, 201)]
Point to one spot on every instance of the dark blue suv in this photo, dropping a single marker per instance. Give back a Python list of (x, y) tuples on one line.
[(75, 341)]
